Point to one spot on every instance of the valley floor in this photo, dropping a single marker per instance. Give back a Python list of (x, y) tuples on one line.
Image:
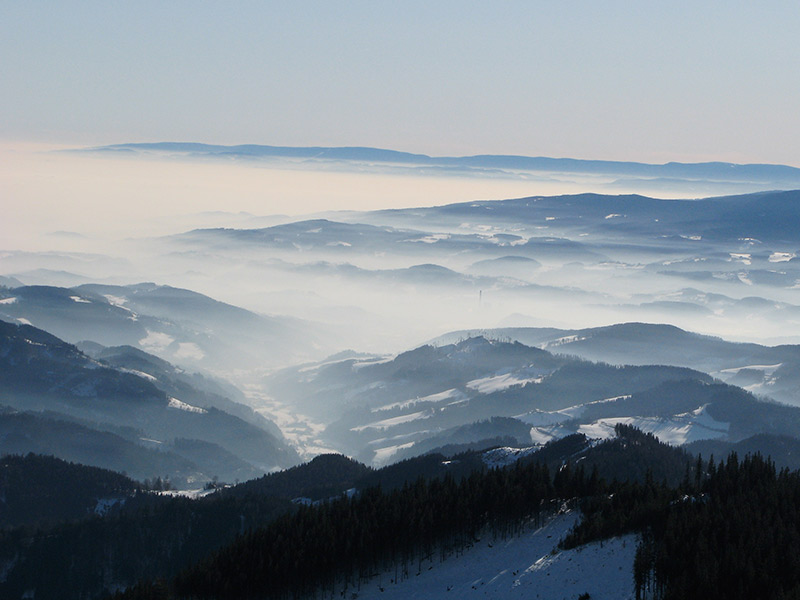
[(528, 566)]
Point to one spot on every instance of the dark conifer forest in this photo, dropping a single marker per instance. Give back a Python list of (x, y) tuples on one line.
[(338, 545), (707, 529), (734, 535)]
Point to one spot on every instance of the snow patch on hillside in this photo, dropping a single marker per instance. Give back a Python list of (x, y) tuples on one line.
[(394, 421), (742, 257), (569, 339), (141, 374), (497, 383), (768, 370), (156, 341), (776, 257), (175, 403), (189, 350), (676, 430), (502, 457), (543, 418), (430, 239), (528, 566), (372, 362), (451, 394), (382, 455), (115, 300)]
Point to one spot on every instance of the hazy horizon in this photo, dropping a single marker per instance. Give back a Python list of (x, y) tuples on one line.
[(650, 83)]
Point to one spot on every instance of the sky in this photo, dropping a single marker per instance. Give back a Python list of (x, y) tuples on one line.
[(644, 81)]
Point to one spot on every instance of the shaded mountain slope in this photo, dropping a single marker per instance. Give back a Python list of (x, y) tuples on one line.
[(40, 372)]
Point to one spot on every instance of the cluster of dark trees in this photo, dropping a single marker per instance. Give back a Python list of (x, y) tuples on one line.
[(148, 537), (729, 530), (735, 536), (341, 543), (40, 490), (724, 530), (337, 545)]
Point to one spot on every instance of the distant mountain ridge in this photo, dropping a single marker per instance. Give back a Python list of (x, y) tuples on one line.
[(764, 370), (448, 398), (171, 322), (706, 170)]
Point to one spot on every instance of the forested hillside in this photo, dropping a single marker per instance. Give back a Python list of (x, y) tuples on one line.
[(338, 545), (41, 490)]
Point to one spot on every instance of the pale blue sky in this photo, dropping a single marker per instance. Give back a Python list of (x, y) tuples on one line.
[(648, 81)]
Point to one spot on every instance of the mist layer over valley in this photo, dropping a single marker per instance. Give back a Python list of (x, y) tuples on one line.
[(318, 322)]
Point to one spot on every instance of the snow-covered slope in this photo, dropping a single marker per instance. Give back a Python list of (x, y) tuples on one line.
[(377, 410), (528, 566), (763, 370)]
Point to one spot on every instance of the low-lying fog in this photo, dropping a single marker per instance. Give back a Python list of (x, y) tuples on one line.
[(65, 200), (375, 286)]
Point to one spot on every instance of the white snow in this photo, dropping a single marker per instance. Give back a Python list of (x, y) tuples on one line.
[(496, 383), (119, 302), (767, 369), (394, 421), (192, 494), (529, 566), (452, 393), (141, 374), (761, 387), (676, 430), (175, 403), (189, 350), (776, 257), (80, 300), (742, 257), (578, 410), (569, 339), (11, 300), (317, 367), (301, 430), (431, 239), (542, 418), (368, 363), (356, 365), (382, 455), (542, 435), (115, 300), (156, 341), (502, 457)]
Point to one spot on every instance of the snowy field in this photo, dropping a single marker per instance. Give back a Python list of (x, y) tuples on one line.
[(529, 566)]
